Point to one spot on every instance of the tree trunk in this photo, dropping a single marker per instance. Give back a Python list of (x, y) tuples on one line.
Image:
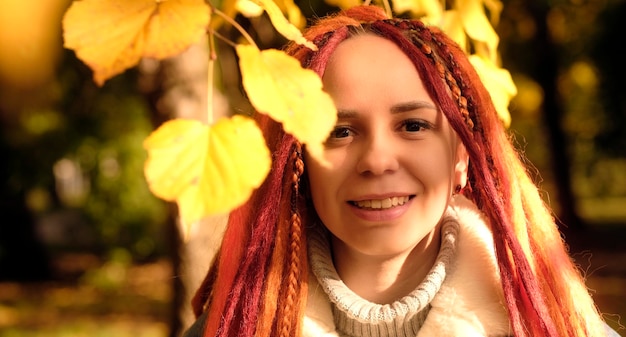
[(546, 72), (177, 88)]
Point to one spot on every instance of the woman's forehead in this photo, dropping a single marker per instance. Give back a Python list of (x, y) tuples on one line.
[(367, 55)]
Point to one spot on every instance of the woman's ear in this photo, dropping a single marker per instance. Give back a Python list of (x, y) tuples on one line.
[(461, 165)]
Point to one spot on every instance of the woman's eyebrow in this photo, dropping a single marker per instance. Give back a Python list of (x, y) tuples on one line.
[(413, 105), (398, 108), (346, 114)]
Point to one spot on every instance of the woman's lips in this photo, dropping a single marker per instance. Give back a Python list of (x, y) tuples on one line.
[(384, 203), (381, 210)]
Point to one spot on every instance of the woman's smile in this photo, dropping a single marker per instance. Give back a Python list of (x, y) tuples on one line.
[(376, 204), (380, 211)]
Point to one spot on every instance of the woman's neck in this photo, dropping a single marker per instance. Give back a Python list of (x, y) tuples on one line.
[(384, 279)]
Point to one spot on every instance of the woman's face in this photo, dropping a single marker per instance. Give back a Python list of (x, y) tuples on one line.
[(394, 159)]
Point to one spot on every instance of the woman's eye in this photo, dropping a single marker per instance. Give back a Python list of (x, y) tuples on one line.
[(340, 132), (415, 126)]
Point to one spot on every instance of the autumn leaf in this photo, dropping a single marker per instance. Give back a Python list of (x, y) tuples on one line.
[(278, 86), (344, 4), (499, 83), (282, 25), (111, 36), (429, 8), (294, 15), (494, 8), (248, 8), (252, 9), (477, 25), (450, 23), (206, 169)]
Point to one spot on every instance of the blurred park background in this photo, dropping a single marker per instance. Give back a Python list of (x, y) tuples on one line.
[(86, 250)]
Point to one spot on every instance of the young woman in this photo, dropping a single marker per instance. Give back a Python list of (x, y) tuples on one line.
[(424, 223)]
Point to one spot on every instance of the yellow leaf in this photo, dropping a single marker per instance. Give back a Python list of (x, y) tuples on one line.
[(499, 83), (495, 9), (293, 12), (430, 8), (278, 86), (450, 23), (206, 169), (248, 8), (251, 9), (477, 25), (282, 25), (113, 35), (344, 4)]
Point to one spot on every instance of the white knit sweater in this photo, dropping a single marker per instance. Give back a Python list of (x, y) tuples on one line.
[(461, 296)]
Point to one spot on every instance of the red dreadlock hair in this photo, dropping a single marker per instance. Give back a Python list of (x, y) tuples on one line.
[(258, 282)]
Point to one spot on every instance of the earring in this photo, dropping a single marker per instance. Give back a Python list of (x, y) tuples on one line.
[(457, 189)]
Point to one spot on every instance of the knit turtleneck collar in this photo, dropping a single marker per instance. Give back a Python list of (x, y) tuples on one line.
[(355, 316)]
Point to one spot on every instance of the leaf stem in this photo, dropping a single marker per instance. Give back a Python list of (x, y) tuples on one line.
[(388, 8), (236, 25), (210, 80), (224, 39)]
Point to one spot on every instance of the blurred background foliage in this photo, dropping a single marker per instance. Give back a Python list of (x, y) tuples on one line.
[(85, 249), (569, 111)]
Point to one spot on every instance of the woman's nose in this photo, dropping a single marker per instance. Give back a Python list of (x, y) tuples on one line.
[(377, 155)]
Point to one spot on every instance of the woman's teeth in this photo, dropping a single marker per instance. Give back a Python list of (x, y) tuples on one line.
[(382, 203)]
